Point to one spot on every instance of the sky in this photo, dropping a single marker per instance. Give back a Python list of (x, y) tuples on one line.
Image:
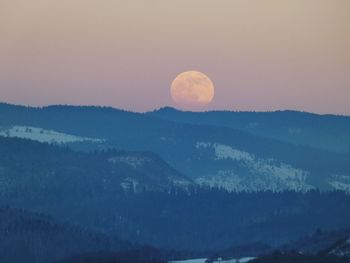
[(261, 55)]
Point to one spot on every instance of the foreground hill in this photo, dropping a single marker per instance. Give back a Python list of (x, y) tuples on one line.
[(321, 247), (35, 238), (139, 255), (338, 253), (340, 248), (299, 258), (212, 155), (317, 242)]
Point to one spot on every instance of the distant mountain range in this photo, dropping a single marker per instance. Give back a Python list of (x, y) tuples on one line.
[(330, 132), (237, 151)]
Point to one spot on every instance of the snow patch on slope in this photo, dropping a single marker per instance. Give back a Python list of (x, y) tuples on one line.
[(227, 152), (342, 250), (261, 174), (137, 182), (130, 160), (42, 135), (181, 182), (130, 184), (228, 180), (340, 182)]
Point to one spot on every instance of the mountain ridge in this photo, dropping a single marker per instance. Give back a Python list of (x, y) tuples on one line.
[(177, 143)]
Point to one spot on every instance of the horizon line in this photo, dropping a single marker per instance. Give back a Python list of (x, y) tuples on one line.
[(169, 107)]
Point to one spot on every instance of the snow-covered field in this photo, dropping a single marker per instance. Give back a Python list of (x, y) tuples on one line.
[(340, 182), (206, 260), (194, 260), (42, 135)]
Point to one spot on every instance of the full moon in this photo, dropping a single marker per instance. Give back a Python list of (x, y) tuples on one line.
[(192, 90)]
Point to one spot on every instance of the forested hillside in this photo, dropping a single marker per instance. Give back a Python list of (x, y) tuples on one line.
[(36, 238)]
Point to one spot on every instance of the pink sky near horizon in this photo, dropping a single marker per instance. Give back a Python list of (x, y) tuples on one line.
[(260, 55)]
